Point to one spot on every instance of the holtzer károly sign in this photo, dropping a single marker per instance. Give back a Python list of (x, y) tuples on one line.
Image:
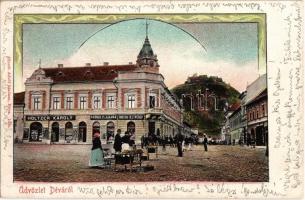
[(49, 117)]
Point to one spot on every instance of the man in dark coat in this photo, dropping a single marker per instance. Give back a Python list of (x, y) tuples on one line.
[(125, 138), (205, 142), (179, 139), (118, 141)]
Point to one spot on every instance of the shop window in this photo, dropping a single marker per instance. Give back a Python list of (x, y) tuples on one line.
[(35, 131), (95, 127), (131, 127), (110, 131), (55, 132), (82, 132), (69, 132)]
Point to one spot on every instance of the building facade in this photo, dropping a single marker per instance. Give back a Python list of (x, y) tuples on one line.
[(243, 112), (236, 129), (257, 112), (69, 104), (258, 119)]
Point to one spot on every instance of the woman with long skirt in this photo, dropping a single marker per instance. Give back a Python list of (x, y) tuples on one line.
[(97, 155)]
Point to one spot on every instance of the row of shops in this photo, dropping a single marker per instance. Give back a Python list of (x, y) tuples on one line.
[(246, 122), (79, 129)]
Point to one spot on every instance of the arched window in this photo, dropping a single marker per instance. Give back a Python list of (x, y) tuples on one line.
[(96, 127), (110, 130), (82, 132), (69, 131), (35, 131), (131, 127), (55, 132)]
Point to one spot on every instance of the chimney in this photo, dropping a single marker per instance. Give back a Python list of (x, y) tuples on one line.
[(88, 64), (106, 63), (60, 65)]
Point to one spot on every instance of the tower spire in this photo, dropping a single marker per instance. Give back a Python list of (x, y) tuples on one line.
[(146, 28), (39, 63)]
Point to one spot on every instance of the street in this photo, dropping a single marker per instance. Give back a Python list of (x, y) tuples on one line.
[(69, 163)]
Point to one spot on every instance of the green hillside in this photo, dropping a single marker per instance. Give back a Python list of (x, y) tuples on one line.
[(209, 121)]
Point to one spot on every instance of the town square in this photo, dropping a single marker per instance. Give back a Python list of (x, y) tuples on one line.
[(85, 119), (220, 163)]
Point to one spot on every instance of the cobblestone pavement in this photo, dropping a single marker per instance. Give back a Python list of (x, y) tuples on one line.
[(69, 163)]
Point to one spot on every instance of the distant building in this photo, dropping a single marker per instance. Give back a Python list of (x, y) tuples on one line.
[(257, 114), (236, 129), (243, 112), (226, 129)]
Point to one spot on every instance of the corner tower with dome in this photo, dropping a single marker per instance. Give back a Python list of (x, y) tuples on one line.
[(146, 59), (66, 105)]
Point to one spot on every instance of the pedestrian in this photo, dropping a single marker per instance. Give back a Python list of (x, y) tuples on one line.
[(132, 139), (205, 142), (146, 140), (142, 141), (190, 144), (179, 140), (171, 141), (118, 141), (183, 145), (248, 140), (125, 138), (253, 141), (97, 155), (164, 144)]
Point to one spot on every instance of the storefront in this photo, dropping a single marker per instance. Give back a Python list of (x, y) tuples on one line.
[(71, 129)]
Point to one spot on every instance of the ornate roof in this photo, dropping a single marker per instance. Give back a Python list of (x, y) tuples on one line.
[(81, 74), (146, 50)]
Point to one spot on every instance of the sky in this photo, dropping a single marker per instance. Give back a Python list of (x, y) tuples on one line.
[(227, 50)]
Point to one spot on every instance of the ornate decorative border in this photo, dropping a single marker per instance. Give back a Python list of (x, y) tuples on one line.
[(20, 19)]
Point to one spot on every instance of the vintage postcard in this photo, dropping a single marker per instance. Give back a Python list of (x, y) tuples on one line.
[(152, 99)]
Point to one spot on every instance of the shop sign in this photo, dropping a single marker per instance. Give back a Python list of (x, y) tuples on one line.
[(131, 117), (49, 117), (103, 117), (119, 117)]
